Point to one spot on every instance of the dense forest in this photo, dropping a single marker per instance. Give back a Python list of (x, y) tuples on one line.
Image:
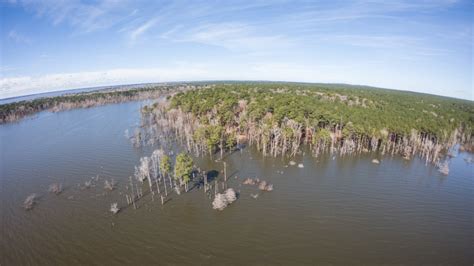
[(279, 118), (17, 110)]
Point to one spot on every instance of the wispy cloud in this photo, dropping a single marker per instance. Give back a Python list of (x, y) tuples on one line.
[(135, 33), (208, 23), (84, 16), (341, 11), (405, 5), (18, 37), (303, 36), (371, 41), (232, 36)]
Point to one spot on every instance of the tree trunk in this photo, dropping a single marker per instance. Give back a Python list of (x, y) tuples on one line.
[(205, 181), (151, 188), (133, 196), (164, 183), (225, 171)]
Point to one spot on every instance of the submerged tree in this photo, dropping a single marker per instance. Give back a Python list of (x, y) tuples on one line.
[(443, 168), (221, 201), (279, 118), (155, 166), (55, 188), (87, 184), (165, 169), (114, 208), (16, 110), (183, 169), (109, 185), (30, 202)]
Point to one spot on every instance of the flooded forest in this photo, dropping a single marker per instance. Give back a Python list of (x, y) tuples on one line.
[(157, 166)]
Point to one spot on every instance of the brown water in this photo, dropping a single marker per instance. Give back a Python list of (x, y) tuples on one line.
[(341, 211)]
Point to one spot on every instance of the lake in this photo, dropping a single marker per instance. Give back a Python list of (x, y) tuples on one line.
[(333, 211)]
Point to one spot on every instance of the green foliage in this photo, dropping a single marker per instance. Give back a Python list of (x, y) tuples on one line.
[(231, 141), (165, 165), (321, 135), (210, 135), (213, 136), (16, 110), (361, 111), (183, 167), (200, 134)]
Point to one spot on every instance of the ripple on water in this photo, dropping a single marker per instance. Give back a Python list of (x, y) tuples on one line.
[(342, 211)]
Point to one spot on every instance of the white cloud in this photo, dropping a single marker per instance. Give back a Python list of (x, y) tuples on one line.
[(184, 71), (24, 85), (180, 71)]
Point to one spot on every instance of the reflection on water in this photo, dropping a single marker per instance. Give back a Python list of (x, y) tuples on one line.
[(342, 211)]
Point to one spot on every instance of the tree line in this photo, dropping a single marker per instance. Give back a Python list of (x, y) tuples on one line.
[(15, 111), (278, 118)]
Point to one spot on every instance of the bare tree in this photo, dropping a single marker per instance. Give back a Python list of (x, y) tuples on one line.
[(132, 196), (109, 185), (113, 208), (221, 201), (155, 166), (30, 202), (55, 188), (443, 168)]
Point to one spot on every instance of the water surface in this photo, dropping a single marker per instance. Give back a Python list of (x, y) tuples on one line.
[(338, 211)]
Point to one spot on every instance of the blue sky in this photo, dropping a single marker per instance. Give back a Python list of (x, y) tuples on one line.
[(423, 46)]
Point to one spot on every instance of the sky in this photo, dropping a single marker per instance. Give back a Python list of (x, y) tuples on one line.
[(424, 46)]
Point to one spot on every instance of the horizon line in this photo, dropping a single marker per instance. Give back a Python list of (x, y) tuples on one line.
[(104, 87)]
